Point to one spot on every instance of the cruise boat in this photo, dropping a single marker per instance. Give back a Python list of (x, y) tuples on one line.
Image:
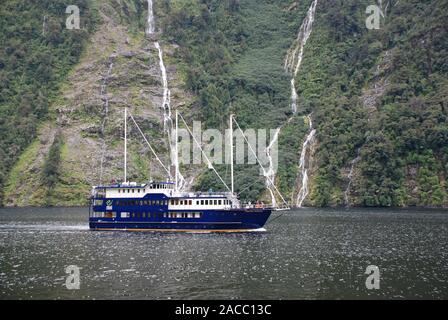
[(161, 206)]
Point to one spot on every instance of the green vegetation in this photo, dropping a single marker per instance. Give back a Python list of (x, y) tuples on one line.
[(382, 94), (50, 174), (50, 171), (405, 61), (36, 54), (231, 53)]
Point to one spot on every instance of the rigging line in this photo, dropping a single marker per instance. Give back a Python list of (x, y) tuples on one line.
[(150, 147), (256, 181), (264, 171), (275, 218), (202, 151)]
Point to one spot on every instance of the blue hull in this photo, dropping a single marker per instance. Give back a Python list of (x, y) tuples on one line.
[(212, 220)]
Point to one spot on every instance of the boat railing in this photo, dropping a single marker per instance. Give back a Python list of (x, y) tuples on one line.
[(262, 205), (206, 194)]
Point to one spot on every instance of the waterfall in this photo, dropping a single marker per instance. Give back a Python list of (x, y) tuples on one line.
[(44, 26), (292, 63), (166, 102), (105, 99), (294, 56), (151, 25), (304, 165), (270, 173), (168, 125), (350, 174)]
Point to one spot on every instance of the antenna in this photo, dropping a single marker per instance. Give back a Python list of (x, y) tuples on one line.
[(176, 164), (231, 151), (125, 143)]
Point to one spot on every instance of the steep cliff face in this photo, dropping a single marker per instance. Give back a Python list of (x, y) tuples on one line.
[(379, 103), (361, 114), (119, 68)]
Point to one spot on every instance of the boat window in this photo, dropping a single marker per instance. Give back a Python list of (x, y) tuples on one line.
[(202, 202), (118, 190), (215, 202), (197, 202), (189, 202)]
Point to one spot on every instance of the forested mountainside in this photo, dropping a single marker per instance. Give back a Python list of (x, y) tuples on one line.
[(362, 114)]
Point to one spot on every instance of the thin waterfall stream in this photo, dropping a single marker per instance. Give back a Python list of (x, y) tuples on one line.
[(168, 125), (292, 63)]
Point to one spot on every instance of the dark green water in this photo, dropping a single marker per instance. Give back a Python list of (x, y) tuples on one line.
[(306, 254)]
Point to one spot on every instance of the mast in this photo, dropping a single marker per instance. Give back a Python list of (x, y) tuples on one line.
[(176, 164), (125, 143), (231, 151)]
